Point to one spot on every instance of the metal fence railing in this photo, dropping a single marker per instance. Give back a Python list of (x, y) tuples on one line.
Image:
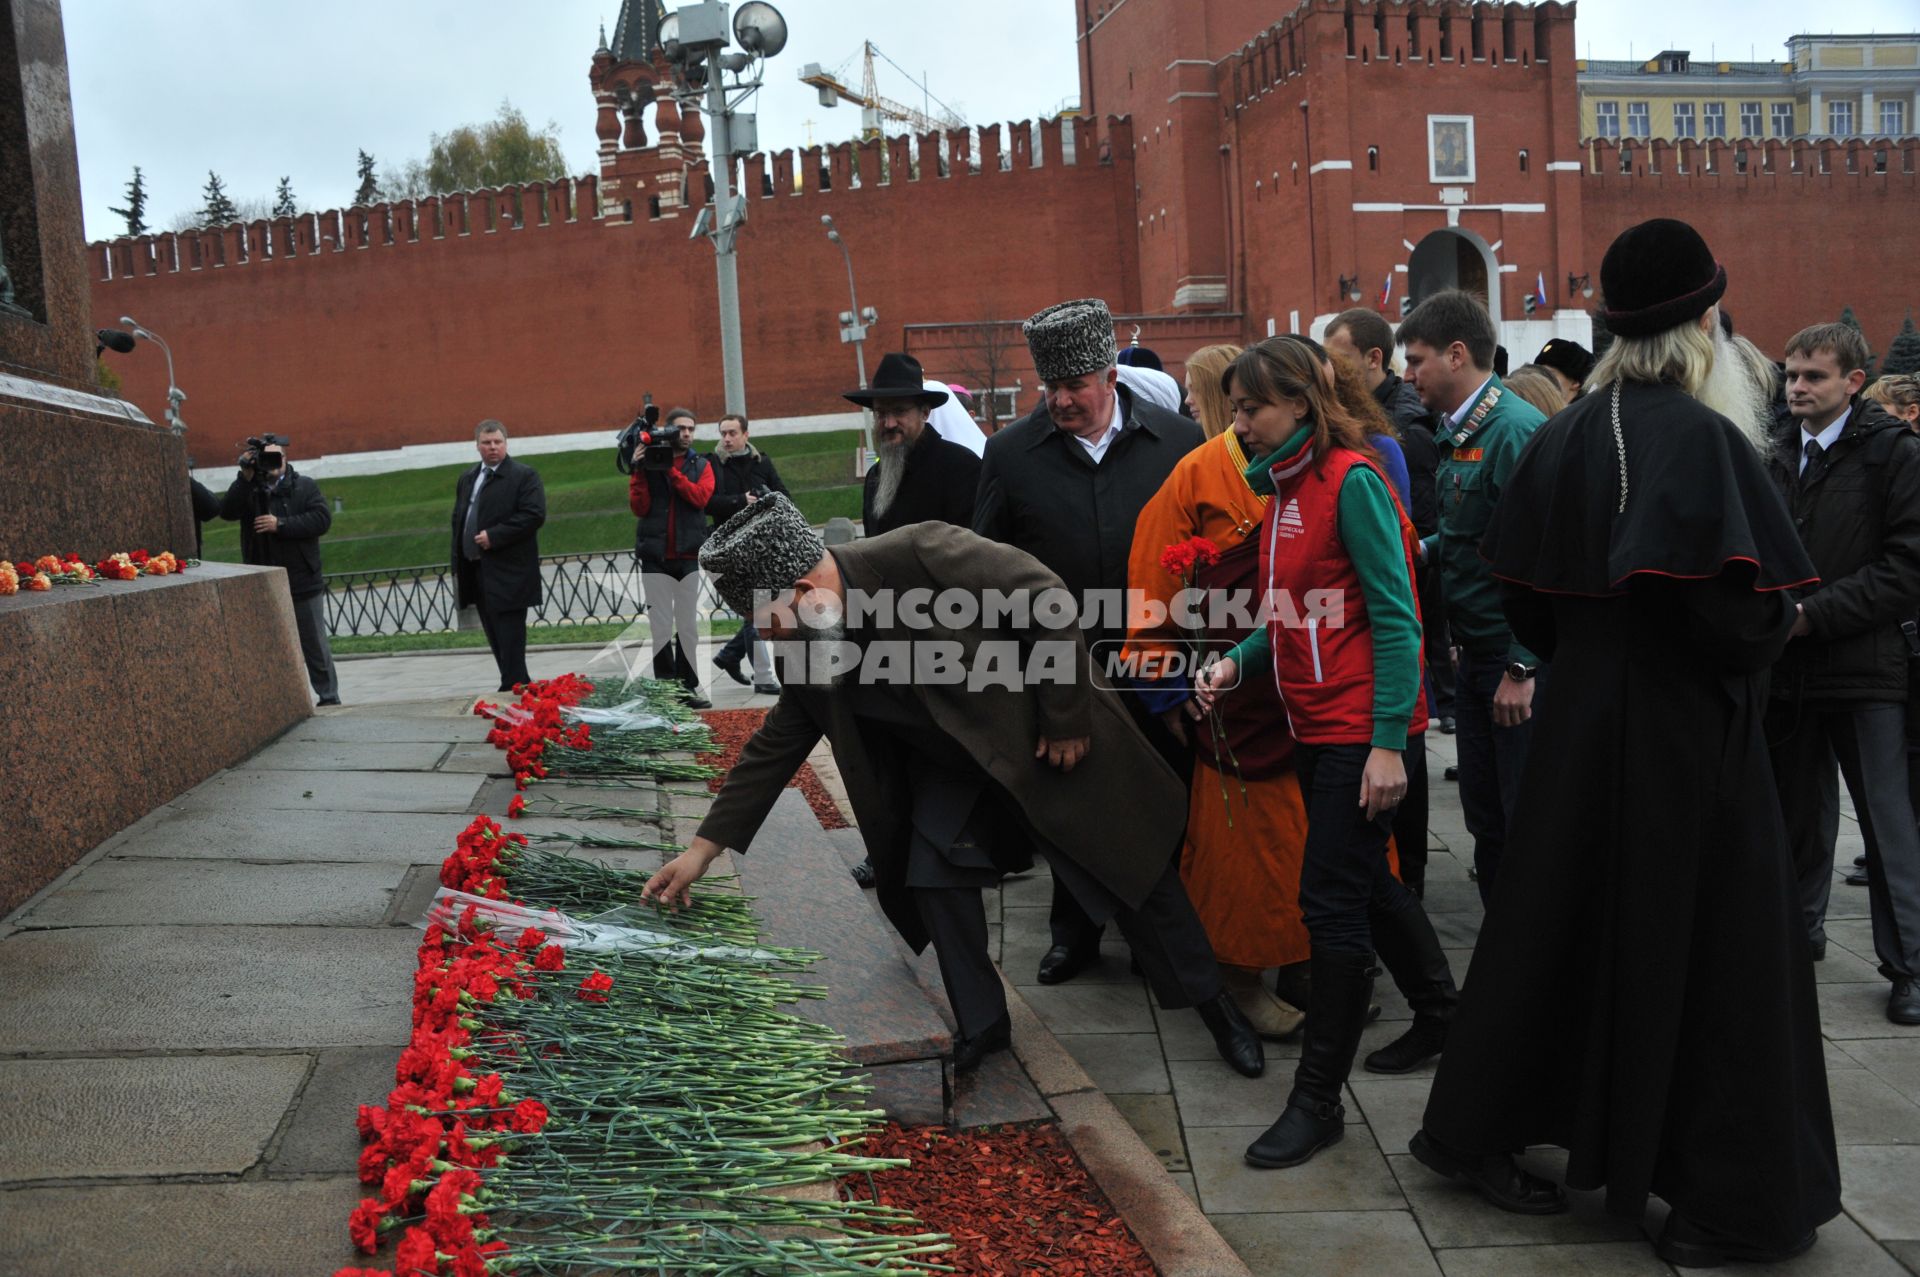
[(577, 589)]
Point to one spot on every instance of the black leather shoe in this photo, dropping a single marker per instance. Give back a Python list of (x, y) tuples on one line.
[(1301, 1131), (1419, 1044), (330, 700), (863, 873), (1819, 950), (731, 668), (1685, 1244), (1235, 1039), (1858, 878), (1903, 1007), (1063, 962), (1497, 1178), (1452, 773), (1411, 953), (1447, 726), (968, 1052), (1860, 862)]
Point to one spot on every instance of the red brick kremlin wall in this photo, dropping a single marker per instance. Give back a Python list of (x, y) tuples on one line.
[(369, 328)]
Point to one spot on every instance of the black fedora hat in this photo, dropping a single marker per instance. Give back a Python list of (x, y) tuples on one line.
[(898, 377)]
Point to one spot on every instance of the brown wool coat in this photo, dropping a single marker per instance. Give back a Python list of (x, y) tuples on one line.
[(1119, 814)]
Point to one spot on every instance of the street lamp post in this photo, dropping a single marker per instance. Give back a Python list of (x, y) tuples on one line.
[(853, 326), (693, 37), (175, 395)]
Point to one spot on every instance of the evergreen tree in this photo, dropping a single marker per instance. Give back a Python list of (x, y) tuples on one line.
[(1903, 355), (369, 190), (1847, 318), (136, 210), (283, 205), (218, 209)]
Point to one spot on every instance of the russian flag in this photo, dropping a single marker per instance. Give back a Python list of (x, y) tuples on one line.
[(1540, 289), (1386, 291)]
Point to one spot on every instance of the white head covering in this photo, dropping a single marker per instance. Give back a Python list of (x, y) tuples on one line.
[(1152, 385), (952, 423)]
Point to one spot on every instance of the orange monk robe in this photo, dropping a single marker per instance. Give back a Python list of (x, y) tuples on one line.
[(1243, 877)]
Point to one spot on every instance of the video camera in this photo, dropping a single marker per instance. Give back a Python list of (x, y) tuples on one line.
[(254, 458), (645, 432)]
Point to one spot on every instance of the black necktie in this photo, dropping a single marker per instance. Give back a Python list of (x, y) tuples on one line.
[(471, 550), (1813, 455)]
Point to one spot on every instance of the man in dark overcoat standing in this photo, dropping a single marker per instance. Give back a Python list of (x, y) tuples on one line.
[(498, 507), (1066, 483), (958, 722)]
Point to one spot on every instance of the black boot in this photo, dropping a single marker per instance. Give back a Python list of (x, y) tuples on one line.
[(1314, 1116), (1239, 1045), (1411, 953)]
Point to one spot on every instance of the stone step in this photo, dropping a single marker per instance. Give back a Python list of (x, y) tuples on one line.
[(806, 900)]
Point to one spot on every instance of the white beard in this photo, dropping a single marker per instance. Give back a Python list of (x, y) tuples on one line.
[(891, 461), (1731, 391)]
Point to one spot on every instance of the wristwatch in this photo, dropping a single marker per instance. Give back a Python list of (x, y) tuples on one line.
[(1520, 671)]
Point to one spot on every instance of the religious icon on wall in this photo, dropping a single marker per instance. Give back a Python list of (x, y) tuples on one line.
[(1450, 148)]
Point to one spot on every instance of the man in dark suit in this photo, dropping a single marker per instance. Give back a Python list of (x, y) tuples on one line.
[(939, 763), (1066, 483), (498, 507)]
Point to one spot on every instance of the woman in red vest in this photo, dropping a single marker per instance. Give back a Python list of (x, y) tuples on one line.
[(1342, 644)]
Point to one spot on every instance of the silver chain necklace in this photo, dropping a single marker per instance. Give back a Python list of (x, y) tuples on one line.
[(1620, 446)]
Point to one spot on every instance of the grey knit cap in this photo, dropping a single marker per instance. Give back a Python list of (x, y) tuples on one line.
[(1071, 339), (763, 549)]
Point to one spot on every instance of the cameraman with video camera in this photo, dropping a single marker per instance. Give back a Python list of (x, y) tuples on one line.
[(668, 488), (282, 517)]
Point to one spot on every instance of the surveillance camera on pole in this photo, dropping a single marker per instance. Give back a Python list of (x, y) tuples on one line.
[(694, 39)]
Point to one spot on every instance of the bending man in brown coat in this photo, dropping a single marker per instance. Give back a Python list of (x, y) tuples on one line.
[(949, 676)]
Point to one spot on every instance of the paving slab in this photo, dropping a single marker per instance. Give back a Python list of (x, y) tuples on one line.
[(1587, 1259), (124, 893), (1350, 1176), (1091, 1008), (349, 791), (911, 1092), (320, 1136), (153, 1115), (1393, 1107), (479, 760), (351, 756), (362, 727), (1453, 1216), (1331, 1243), (1120, 1063), (1877, 1188), (1866, 1110), (1895, 1060), (204, 988), (1907, 1253), (259, 1229), (1156, 1120), (266, 835), (1849, 1011), (996, 1094)]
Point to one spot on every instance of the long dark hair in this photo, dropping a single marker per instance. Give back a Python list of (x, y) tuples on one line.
[(1294, 367)]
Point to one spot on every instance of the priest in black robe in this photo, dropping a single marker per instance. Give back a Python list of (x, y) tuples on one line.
[(1644, 995)]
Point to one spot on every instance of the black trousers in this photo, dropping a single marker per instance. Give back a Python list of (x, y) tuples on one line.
[(1410, 817), (506, 632), (310, 618)]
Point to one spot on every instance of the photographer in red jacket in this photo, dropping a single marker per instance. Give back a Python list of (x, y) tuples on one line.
[(668, 491)]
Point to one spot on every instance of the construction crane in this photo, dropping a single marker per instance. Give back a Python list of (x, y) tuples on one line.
[(873, 107)]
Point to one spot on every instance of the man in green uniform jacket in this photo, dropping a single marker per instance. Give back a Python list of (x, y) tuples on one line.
[(1449, 340)]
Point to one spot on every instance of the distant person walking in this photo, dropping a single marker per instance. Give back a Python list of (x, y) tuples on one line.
[(498, 507)]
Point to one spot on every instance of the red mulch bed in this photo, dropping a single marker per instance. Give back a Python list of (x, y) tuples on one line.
[(1014, 1200), (731, 728)]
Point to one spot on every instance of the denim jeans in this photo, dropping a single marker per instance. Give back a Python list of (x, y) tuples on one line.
[(1344, 874), (1491, 761)]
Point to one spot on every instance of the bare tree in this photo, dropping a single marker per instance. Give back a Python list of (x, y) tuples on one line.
[(987, 353)]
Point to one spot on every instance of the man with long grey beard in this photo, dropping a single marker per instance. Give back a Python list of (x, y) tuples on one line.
[(917, 476)]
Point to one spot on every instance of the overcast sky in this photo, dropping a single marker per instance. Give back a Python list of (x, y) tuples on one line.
[(255, 91)]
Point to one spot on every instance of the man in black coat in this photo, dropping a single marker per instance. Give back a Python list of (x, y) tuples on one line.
[(498, 507), (1066, 483), (1851, 474), (282, 517), (742, 474)]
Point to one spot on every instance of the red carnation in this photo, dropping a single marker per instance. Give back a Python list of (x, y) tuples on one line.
[(363, 1225), (415, 1253), (551, 958), (516, 805), (1182, 557), (531, 938), (594, 987), (529, 1116)]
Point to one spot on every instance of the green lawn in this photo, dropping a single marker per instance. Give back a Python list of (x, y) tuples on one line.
[(592, 632), (402, 519)]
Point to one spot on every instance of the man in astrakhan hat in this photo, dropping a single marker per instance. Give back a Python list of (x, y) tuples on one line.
[(962, 731), (1644, 995)]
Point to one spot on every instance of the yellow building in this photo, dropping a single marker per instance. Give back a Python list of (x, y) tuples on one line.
[(1830, 86)]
